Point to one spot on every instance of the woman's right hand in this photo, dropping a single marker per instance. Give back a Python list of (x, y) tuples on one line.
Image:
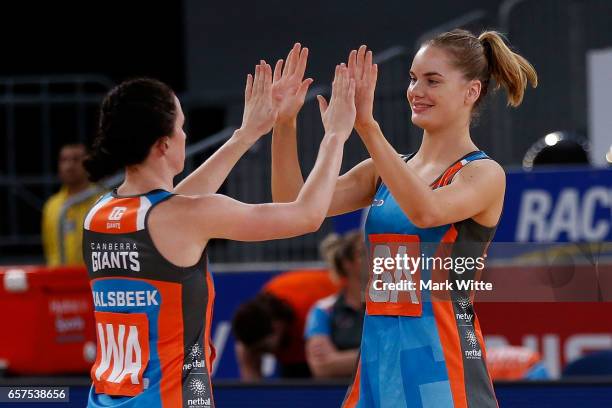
[(339, 115), (260, 111)]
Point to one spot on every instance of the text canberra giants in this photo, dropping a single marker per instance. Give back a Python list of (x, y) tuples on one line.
[(114, 255)]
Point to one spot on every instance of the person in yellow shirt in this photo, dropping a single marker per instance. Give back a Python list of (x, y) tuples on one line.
[(75, 182)]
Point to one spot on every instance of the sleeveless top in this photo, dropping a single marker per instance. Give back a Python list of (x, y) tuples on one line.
[(424, 339), (152, 317)]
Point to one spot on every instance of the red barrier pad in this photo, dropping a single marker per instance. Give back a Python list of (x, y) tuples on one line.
[(46, 317), (560, 332)]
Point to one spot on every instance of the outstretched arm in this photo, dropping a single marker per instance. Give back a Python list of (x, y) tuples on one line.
[(288, 90), (354, 189), (209, 176), (231, 219)]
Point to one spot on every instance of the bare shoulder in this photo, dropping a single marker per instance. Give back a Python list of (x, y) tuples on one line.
[(195, 207), (178, 229), (485, 173), (185, 210), (194, 216), (367, 171)]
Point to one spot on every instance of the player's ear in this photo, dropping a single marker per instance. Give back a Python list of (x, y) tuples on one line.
[(162, 145), (472, 92)]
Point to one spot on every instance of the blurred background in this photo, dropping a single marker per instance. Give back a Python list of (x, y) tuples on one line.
[(59, 59)]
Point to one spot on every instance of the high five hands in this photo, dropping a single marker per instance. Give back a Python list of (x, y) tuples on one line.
[(276, 98), (339, 115), (289, 87), (360, 76), (365, 73), (260, 111)]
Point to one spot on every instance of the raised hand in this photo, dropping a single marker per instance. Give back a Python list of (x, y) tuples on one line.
[(365, 73), (288, 87), (339, 116), (260, 111)]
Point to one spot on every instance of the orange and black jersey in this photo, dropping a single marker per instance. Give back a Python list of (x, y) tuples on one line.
[(152, 317)]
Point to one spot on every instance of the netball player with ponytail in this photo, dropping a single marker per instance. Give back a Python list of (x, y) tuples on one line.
[(416, 351), (145, 242)]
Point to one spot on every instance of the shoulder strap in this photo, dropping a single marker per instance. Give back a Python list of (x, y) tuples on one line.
[(446, 178), (157, 196), (94, 209), (123, 214)]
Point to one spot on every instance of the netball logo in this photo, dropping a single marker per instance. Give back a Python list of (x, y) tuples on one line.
[(195, 352), (470, 337), (194, 359), (198, 387), (464, 302), (472, 341)]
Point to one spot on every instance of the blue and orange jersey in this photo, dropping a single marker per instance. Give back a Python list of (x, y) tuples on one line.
[(419, 350), (152, 317)]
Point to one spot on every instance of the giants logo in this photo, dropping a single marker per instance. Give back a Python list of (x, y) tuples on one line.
[(117, 213), (122, 353), (114, 217), (396, 289)]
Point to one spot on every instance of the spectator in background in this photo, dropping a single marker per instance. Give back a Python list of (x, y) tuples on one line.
[(74, 180), (334, 324), (273, 322)]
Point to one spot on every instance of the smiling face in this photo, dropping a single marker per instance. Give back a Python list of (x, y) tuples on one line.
[(439, 94)]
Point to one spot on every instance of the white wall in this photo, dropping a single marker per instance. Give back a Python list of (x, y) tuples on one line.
[(599, 79)]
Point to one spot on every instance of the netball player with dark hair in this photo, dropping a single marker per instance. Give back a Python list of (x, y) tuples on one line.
[(145, 242), (416, 351)]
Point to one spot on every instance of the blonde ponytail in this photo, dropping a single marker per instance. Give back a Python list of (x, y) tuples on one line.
[(510, 70)]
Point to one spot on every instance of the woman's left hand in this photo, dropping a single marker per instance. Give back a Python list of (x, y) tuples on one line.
[(365, 73), (260, 111), (289, 87)]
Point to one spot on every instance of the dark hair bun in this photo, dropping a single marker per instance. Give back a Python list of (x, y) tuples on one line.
[(133, 116)]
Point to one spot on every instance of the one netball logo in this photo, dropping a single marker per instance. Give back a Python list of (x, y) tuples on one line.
[(471, 338), (117, 213), (195, 351), (472, 341), (464, 302), (198, 387)]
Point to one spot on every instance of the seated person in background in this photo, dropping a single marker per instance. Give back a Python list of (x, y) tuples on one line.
[(510, 363), (74, 180), (334, 324), (273, 322)]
